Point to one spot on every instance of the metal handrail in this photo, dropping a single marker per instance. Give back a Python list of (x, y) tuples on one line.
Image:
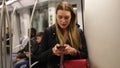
[(3, 54)]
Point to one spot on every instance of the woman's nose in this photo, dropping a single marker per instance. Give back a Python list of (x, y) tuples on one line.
[(63, 19)]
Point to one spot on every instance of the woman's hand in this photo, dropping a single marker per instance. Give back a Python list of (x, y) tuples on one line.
[(66, 50), (69, 50), (58, 51)]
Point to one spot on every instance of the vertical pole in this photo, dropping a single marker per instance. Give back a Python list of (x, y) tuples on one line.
[(11, 35), (1, 64), (30, 30), (5, 59), (10, 38), (3, 46)]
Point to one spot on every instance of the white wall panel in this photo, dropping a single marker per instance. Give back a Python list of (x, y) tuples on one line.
[(15, 30), (102, 21)]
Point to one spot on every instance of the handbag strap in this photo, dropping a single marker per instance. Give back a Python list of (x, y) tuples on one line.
[(61, 61)]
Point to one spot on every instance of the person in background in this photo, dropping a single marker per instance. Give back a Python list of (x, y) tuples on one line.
[(33, 33), (7, 36), (63, 40), (32, 41), (20, 61), (23, 52), (7, 40), (34, 52), (38, 39)]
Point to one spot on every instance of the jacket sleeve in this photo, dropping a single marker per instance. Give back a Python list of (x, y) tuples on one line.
[(83, 51), (45, 50)]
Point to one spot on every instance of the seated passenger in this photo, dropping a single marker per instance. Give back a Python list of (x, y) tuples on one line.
[(21, 60), (64, 40), (32, 40), (34, 52), (38, 39), (24, 42), (25, 48)]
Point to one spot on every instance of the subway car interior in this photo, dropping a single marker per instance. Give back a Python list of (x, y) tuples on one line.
[(18, 17)]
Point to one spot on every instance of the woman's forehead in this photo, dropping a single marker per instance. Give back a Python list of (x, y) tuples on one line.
[(63, 12)]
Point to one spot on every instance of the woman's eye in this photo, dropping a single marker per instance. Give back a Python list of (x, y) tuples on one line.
[(66, 17), (60, 17)]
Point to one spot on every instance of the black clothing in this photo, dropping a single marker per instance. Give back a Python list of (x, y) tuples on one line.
[(33, 45), (8, 43), (48, 41), (34, 57), (34, 53), (7, 39)]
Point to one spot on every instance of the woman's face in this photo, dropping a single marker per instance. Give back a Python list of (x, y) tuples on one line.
[(63, 18)]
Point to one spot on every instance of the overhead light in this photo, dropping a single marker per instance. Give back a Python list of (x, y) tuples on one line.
[(9, 2)]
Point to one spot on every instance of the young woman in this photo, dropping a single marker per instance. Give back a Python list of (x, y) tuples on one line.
[(64, 40)]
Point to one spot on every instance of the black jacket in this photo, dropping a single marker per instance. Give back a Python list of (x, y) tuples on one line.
[(48, 41)]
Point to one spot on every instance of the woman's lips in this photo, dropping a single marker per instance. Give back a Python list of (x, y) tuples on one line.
[(63, 24)]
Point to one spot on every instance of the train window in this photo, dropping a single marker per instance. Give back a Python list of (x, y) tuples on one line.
[(40, 18)]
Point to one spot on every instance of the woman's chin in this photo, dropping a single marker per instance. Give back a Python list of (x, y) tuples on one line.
[(63, 27)]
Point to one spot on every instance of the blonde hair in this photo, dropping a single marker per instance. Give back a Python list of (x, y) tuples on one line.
[(73, 33)]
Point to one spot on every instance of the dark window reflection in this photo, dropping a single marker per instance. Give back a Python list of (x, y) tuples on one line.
[(40, 18)]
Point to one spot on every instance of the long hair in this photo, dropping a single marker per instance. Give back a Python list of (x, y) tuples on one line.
[(73, 33)]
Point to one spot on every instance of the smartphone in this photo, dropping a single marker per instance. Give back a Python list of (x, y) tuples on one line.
[(60, 47)]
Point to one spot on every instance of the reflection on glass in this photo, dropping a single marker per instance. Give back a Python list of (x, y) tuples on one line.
[(40, 18)]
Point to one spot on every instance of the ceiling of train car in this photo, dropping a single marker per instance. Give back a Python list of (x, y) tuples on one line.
[(20, 3)]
